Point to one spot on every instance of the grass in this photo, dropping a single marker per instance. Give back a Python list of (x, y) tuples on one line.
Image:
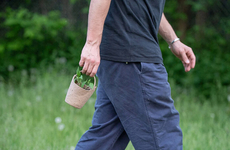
[(28, 113)]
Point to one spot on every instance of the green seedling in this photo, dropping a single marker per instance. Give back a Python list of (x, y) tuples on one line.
[(82, 80)]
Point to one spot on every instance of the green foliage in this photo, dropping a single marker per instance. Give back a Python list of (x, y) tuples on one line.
[(212, 58), (31, 40), (210, 45), (83, 80)]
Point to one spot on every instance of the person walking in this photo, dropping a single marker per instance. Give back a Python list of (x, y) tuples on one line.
[(133, 96)]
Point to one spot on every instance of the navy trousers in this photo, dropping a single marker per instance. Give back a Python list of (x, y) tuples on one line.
[(133, 103)]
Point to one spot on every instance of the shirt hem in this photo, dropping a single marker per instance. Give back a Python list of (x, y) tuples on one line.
[(154, 59)]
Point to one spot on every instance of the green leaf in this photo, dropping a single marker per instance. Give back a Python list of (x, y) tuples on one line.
[(78, 72), (88, 81), (79, 79), (91, 85), (83, 83)]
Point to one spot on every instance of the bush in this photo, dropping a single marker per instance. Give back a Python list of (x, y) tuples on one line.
[(210, 45), (31, 40)]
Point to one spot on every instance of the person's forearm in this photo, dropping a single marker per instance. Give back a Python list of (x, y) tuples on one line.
[(97, 13), (166, 30)]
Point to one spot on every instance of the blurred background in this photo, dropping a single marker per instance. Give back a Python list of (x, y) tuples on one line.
[(40, 46)]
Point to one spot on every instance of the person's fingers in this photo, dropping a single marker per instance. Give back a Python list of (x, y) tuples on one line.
[(186, 67), (85, 68), (94, 71), (81, 62), (184, 58), (192, 58), (186, 62), (89, 70)]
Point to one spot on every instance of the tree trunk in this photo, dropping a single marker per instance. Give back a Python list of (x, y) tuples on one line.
[(201, 16), (67, 10), (183, 8), (43, 7)]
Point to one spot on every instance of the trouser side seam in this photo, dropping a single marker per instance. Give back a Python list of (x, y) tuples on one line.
[(146, 111)]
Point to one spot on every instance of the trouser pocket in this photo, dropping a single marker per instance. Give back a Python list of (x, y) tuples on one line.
[(138, 66)]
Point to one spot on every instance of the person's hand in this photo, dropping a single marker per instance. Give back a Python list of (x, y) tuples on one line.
[(90, 59), (185, 54)]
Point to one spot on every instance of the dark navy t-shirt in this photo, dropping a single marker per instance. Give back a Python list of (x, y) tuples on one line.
[(130, 31)]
